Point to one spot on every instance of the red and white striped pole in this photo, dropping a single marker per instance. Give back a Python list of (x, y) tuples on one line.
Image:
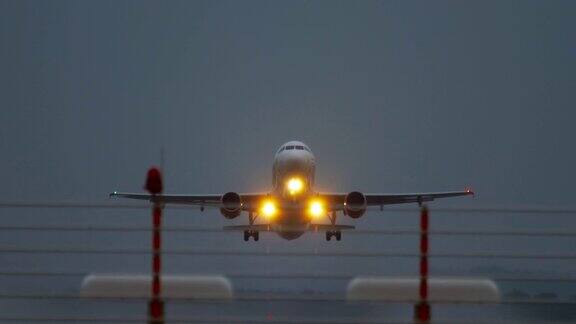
[(422, 311), (155, 305)]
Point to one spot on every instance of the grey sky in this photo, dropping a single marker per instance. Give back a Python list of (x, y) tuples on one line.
[(391, 96)]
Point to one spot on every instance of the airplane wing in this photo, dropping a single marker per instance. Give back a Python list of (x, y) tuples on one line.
[(336, 200), (249, 200)]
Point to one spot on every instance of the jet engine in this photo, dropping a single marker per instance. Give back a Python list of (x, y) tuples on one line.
[(355, 204), (231, 205)]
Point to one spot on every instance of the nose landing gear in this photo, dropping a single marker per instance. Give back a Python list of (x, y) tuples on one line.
[(251, 233), (336, 234)]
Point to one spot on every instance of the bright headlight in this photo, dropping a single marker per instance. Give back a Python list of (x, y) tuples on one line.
[(316, 209), (294, 185), (268, 209)]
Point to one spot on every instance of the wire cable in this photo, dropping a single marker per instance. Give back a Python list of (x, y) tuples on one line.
[(303, 276), (223, 252), (101, 205), (325, 297), (199, 229)]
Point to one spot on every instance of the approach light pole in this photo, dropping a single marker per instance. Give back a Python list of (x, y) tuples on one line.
[(155, 305), (422, 311)]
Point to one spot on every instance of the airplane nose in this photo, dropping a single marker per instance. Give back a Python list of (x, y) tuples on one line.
[(294, 163)]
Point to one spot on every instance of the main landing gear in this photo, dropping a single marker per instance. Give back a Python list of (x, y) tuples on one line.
[(250, 233), (336, 234)]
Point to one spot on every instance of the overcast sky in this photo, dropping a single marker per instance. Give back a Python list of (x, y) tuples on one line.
[(391, 96)]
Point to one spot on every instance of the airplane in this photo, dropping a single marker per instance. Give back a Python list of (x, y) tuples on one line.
[(292, 207)]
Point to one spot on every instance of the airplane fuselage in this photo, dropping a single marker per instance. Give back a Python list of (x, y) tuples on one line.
[(293, 187)]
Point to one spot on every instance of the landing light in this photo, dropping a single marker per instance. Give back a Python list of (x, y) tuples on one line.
[(268, 209), (316, 209), (294, 185)]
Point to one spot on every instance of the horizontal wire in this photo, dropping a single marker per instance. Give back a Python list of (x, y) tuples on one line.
[(259, 319), (214, 319), (278, 297), (247, 319), (265, 276), (80, 205), (196, 229), (99, 228), (216, 252), (74, 319), (349, 276), (491, 210), (99, 205), (550, 233)]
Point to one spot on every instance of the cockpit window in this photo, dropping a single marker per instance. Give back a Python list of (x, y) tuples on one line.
[(299, 147), (307, 149), (290, 147)]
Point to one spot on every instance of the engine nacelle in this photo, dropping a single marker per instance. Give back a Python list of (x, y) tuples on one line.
[(231, 205), (355, 204)]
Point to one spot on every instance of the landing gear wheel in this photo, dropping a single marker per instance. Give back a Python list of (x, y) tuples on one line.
[(250, 233), (336, 234)]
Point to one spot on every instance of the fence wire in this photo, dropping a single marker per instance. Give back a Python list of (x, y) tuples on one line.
[(269, 297)]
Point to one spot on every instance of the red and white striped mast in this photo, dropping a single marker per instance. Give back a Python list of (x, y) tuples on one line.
[(155, 305), (422, 311)]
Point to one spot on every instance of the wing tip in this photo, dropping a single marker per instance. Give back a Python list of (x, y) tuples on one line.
[(469, 191)]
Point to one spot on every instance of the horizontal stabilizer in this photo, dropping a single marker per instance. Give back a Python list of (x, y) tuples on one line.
[(259, 227), (288, 228), (328, 227)]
